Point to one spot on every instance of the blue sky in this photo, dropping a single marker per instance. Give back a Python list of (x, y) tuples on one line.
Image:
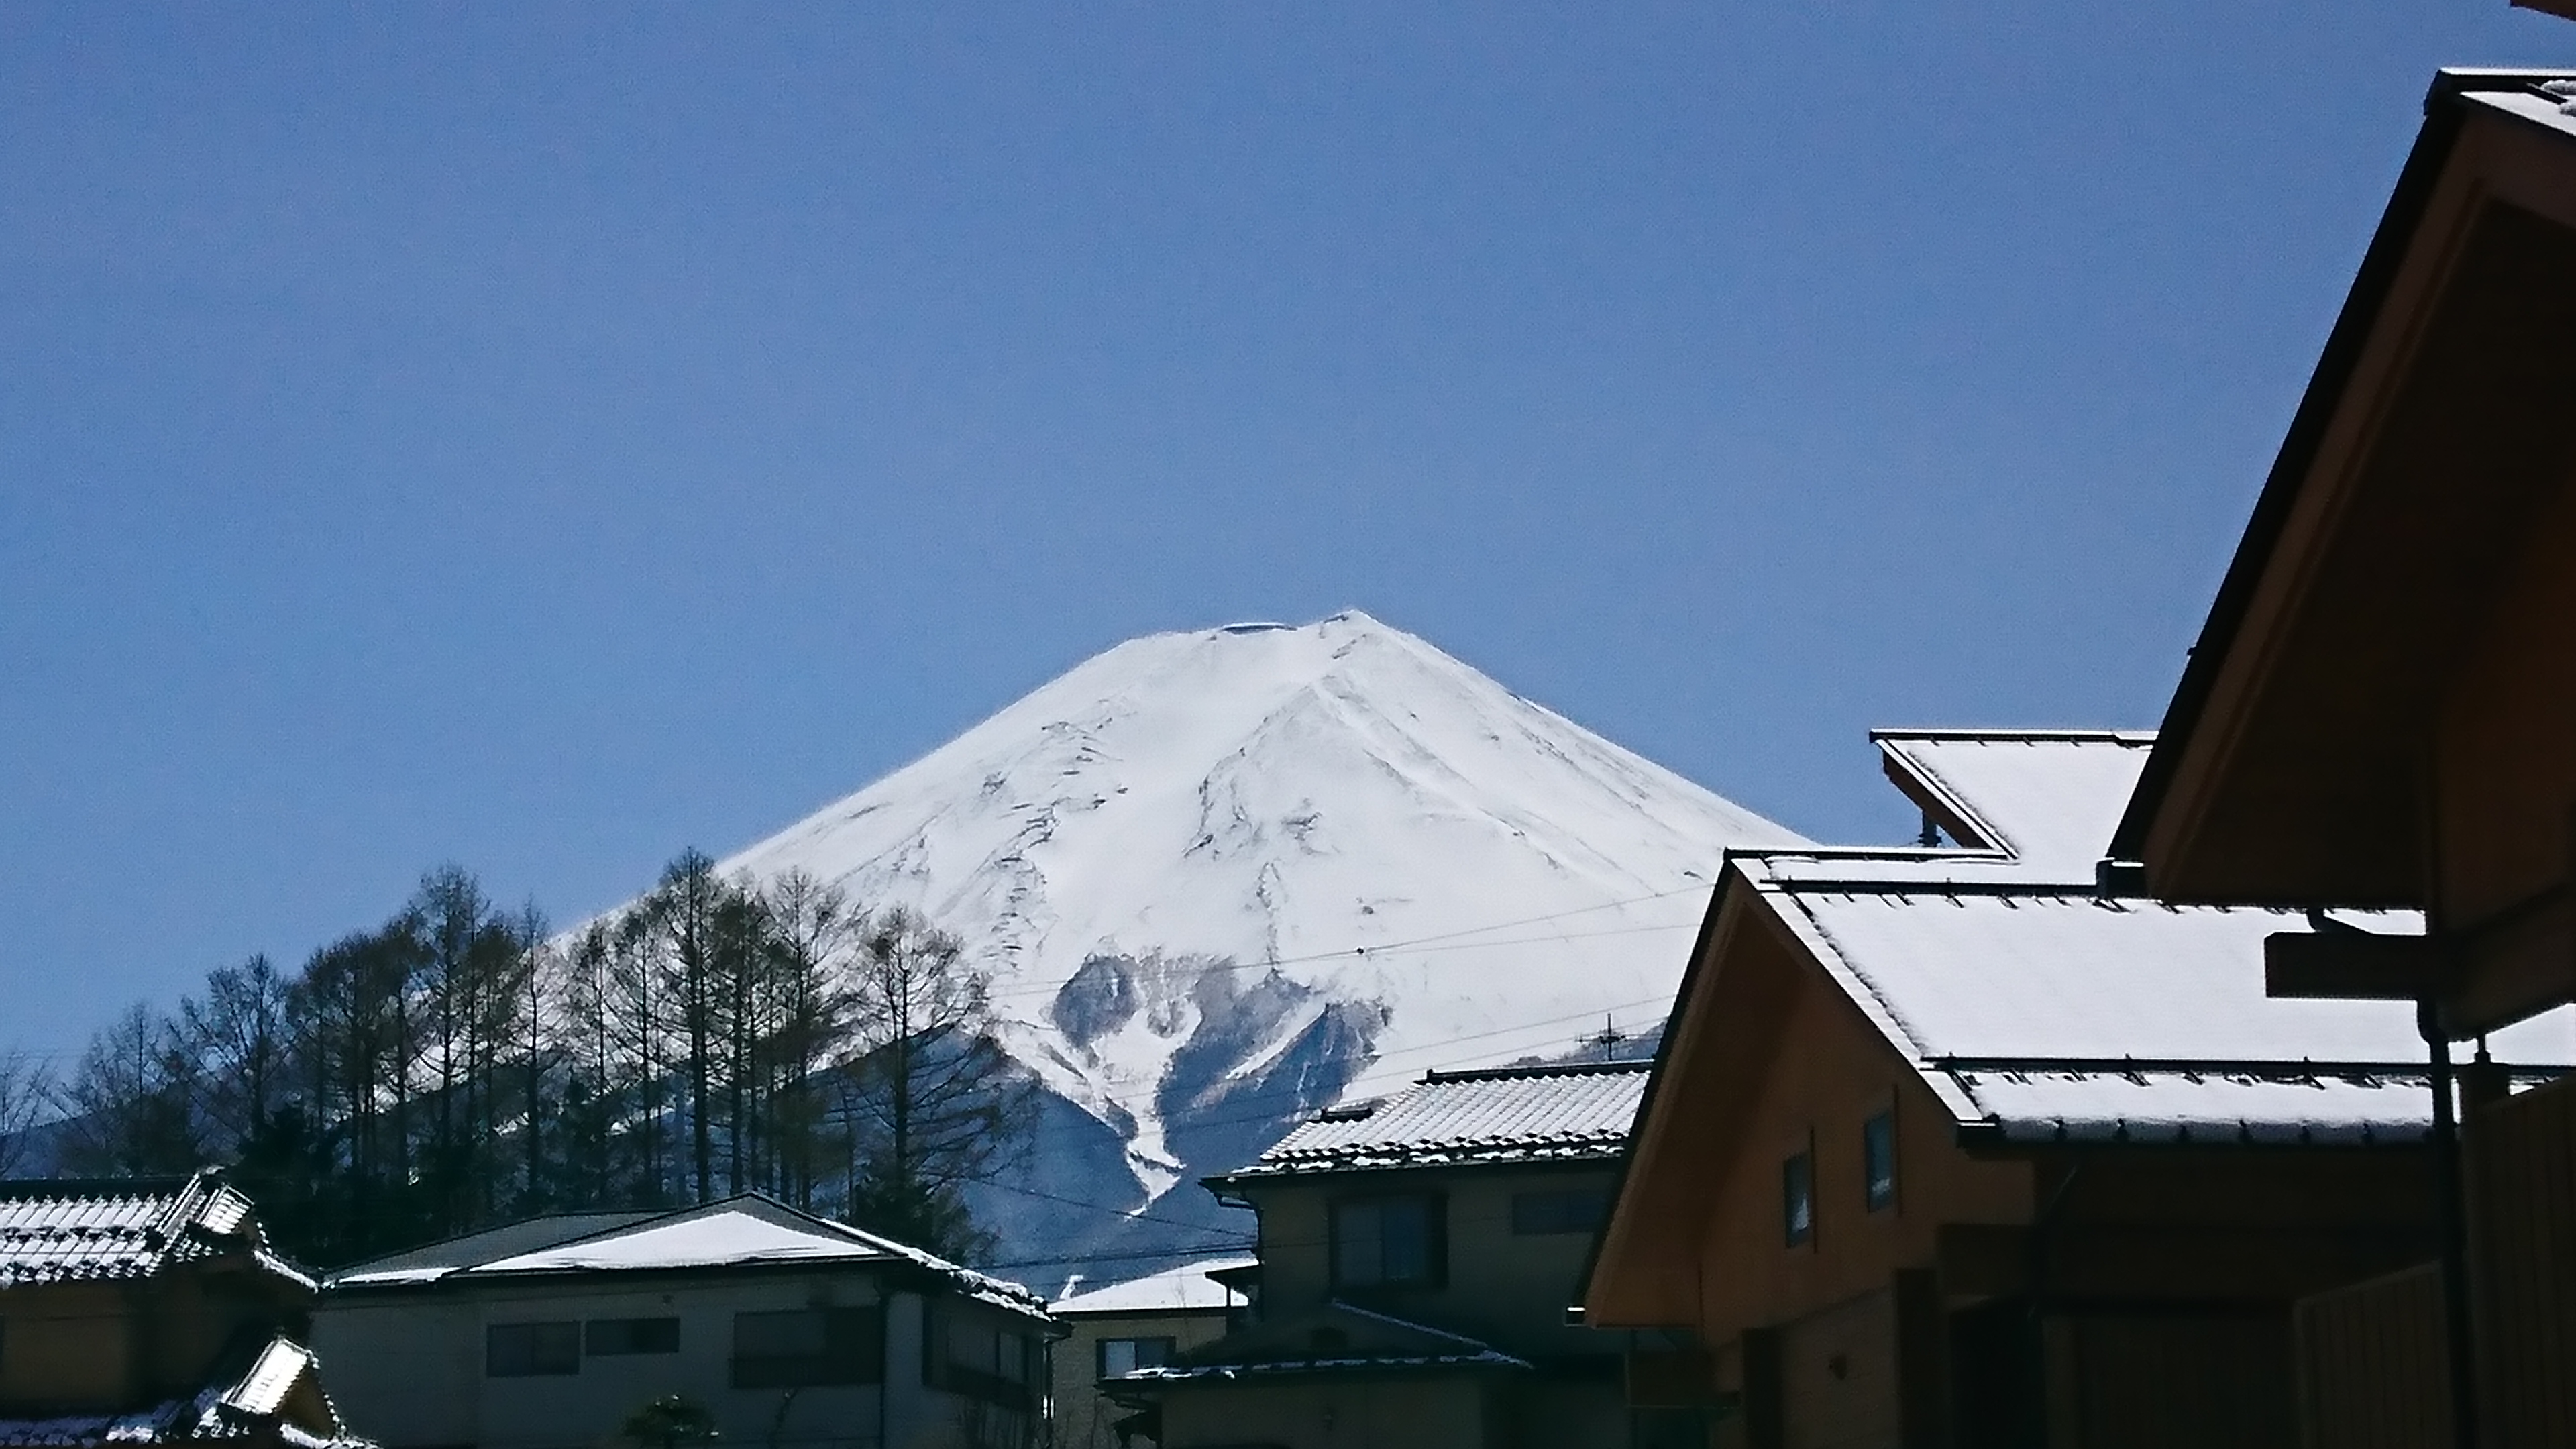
[(541, 437)]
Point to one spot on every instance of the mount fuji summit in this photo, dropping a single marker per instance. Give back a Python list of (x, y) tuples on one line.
[(1226, 878)]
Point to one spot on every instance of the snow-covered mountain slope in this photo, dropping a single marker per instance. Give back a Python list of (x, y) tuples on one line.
[(1223, 878)]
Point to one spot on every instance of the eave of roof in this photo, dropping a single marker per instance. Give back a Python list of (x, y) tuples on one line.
[(2446, 106)]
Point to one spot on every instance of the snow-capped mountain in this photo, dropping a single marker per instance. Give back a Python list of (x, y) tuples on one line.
[(1221, 879)]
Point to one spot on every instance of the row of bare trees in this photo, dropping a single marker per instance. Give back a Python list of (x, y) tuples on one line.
[(457, 1067)]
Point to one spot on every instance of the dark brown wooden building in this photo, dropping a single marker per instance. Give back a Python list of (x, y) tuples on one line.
[(2381, 711), (151, 1312), (1951, 1147)]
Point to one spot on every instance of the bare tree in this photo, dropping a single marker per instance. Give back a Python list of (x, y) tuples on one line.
[(240, 1034), (808, 1022), (130, 1105), (25, 1089), (934, 1102), (679, 925)]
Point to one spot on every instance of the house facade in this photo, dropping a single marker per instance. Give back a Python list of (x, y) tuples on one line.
[(151, 1312), (1115, 1329), (1951, 1146), (786, 1328), (2378, 712), (1417, 1257)]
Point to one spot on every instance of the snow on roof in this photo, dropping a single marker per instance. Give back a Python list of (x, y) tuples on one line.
[(1510, 1114), (72, 1231), (2049, 798), (2050, 1010), (1186, 1289), (746, 1231), (437, 1260)]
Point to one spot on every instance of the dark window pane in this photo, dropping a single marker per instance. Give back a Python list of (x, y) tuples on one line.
[(1153, 1352), (608, 1336), (1878, 1159), (1404, 1224), (1356, 1247), (1382, 1240), (1798, 1198), (526, 1350)]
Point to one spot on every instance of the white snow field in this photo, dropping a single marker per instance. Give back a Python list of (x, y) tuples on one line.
[(1224, 878)]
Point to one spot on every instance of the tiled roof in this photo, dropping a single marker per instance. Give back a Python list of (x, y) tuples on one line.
[(1524, 1114), (66, 1231), (2050, 1012)]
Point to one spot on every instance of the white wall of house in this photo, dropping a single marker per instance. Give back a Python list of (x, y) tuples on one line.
[(409, 1368)]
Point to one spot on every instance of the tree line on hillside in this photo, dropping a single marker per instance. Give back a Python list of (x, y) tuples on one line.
[(456, 1067)]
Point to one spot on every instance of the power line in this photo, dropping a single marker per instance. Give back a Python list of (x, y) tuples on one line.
[(1423, 945)]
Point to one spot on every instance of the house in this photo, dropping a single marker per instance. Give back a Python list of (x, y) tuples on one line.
[(1117, 1328), (1417, 1257), (787, 1328), (2378, 712), (1949, 1146), (151, 1312)]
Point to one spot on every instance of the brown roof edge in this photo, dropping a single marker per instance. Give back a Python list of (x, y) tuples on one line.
[(1728, 876), (2272, 507)]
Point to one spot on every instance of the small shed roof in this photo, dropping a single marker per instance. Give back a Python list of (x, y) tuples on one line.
[(1185, 1289), (745, 1231), (60, 1230), (2048, 798), (1559, 1113)]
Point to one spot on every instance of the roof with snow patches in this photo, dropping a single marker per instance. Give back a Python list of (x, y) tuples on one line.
[(1185, 1289), (1335, 1338), (2050, 1012), (79, 1231), (748, 1231), (1561, 1113)]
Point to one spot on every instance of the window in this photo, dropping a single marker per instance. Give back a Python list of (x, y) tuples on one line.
[(602, 1337), (1577, 1210), (1798, 1198), (980, 1354), (1388, 1241), (526, 1350), (808, 1347), (1878, 1160), (1126, 1355)]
